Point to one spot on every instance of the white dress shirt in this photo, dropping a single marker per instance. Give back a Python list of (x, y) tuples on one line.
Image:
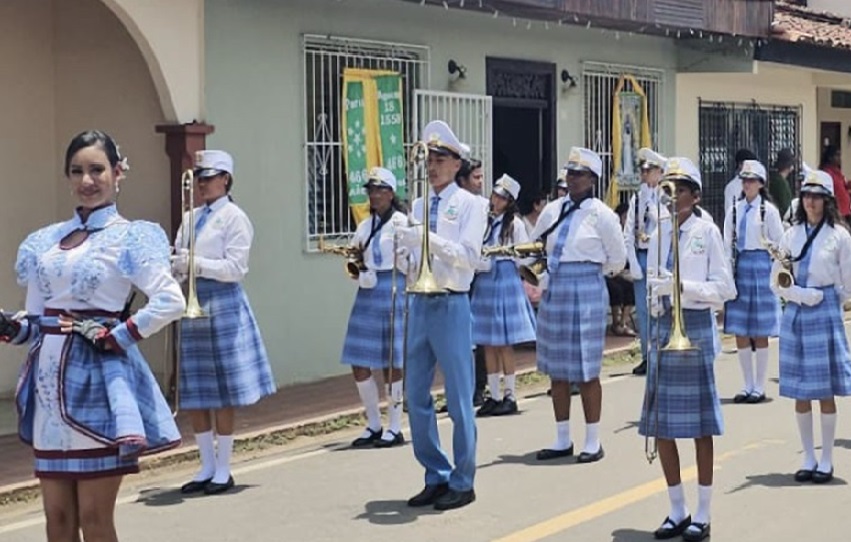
[(705, 274), (646, 212), (456, 247), (384, 238), (771, 228), (595, 234), (733, 191), (223, 243), (830, 258)]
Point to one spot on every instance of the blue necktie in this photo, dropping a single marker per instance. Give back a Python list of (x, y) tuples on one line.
[(376, 248), (202, 219), (554, 260), (493, 230), (432, 214), (804, 265), (743, 228)]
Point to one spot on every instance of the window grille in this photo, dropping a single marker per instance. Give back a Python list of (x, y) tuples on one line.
[(599, 82), (325, 58), (725, 127)]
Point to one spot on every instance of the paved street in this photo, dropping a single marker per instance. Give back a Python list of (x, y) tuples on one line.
[(321, 491)]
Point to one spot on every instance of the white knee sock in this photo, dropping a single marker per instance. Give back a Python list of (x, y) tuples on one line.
[(510, 382), (493, 386), (368, 391), (761, 369), (704, 503), (224, 449), (563, 441), (747, 368), (394, 407), (677, 496), (207, 451), (592, 438), (828, 432), (805, 428)]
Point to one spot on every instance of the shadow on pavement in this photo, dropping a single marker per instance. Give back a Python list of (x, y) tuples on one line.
[(395, 512), (842, 443), (169, 496), (629, 426), (730, 401), (630, 535), (528, 459), (779, 479)]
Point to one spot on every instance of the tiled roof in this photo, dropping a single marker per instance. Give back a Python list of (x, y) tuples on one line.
[(799, 24)]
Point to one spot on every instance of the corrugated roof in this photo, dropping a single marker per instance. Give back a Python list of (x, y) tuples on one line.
[(799, 24)]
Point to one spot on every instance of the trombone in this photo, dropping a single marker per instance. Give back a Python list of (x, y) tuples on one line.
[(531, 273), (678, 341)]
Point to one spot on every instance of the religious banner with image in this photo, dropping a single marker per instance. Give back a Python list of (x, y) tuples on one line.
[(630, 132), (372, 130)]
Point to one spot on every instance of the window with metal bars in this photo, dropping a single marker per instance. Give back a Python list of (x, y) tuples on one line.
[(325, 58), (599, 81), (726, 127)]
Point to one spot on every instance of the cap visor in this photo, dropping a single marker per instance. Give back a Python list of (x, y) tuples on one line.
[(752, 176), (815, 189), (204, 173), (444, 151), (502, 192)]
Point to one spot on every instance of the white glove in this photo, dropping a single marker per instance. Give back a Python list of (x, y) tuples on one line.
[(367, 279), (802, 296), (410, 237), (484, 265), (661, 285), (180, 262)]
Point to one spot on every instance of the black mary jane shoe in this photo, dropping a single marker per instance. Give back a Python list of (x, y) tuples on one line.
[(195, 486), (804, 475), (696, 532), (820, 477), (398, 440), (369, 440), (506, 407), (429, 495), (640, 369), (454, 499), (488, 407), (742, 397), (755, 398), (214, 489), (585, 457), (669, 529), (548, 453)]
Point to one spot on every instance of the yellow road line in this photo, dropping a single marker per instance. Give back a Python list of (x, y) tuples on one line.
[(592, 511)]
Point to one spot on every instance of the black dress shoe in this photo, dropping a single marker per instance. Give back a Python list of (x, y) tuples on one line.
[(214, 489), (820, 477), (488, 408), (478, 398), (369, 440), (429, 495), (755, 398), (669, 529), (547, 453), (640, 369), (585, 457), (804, 475), (741, 397), (505, 407), (454, 499), (398, 440), (696, 532), (194, 486)]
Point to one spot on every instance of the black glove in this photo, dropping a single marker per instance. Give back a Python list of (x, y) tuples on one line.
[(8, 327), (96, 334)]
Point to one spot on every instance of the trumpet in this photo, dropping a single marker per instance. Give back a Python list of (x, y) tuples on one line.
[(522, 250), (784, 277), (354, 264)]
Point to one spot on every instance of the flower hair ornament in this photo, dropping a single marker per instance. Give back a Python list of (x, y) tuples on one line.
[(122, 160)]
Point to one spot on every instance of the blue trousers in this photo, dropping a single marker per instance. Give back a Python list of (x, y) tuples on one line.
[(439, 329), (640, 288)]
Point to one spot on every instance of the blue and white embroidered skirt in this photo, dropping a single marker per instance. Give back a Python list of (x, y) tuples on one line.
[(814, 358), (572, 323), (502, 314), (223, 360), (756, 310), (686, 397), (367, 341)]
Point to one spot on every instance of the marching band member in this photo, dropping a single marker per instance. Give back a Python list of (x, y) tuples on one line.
[(706, 282), (641, 222), (87, 401), (439, 326), (367, 346), (584, 241), (815, 364), (223, 362), (755, 313), (502, 314)]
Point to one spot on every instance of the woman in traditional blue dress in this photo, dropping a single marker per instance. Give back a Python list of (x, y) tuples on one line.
[(681, 399), (502, 314), (88, 403), (751, 224), (368, 346), (223, 361), (815, 364)]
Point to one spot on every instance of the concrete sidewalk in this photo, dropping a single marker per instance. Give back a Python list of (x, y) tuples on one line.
[(300, 405)]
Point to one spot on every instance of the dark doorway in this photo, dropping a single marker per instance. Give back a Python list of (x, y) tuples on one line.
[(524, 135), (831, 134)]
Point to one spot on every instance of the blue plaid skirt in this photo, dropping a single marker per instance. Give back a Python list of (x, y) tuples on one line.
[(572, 323), (502, 314), (688, 405), (83, 464), (814, 358), (367, 341), (223, 360), (756, 310)]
